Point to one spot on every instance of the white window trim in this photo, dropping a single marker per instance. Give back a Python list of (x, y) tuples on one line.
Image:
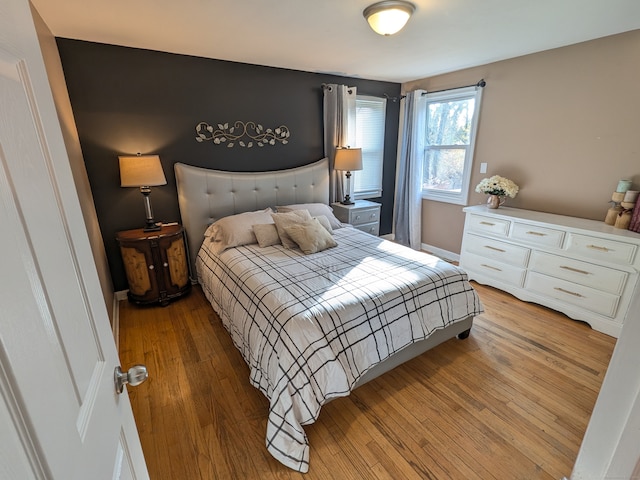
[(378, 192), (462, 197)]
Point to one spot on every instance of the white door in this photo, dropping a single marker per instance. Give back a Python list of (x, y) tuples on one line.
[(60, 417)]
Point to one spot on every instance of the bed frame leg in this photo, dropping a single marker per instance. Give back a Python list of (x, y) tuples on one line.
[(465, 334)]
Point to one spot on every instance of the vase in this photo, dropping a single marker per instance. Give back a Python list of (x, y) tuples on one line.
[(494, 201)]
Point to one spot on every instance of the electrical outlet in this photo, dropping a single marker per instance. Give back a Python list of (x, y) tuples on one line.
[(483, 168)]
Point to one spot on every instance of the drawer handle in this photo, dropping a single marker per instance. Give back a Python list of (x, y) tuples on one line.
[(165, 264), (571, 269), (599, 248), (537, 234), (357, 217), (494, 248), (488, 224), (492, 268), (373, 215), (568, 292), (151, 267)]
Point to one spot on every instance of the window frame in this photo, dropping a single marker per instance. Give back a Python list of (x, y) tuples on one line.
[(377, 193), (462, 197)]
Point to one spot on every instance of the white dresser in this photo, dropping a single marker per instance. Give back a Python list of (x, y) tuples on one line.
[(362, 214), (583, 268)]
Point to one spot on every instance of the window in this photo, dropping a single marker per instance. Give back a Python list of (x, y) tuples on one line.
[(451, 123), (370, 121)]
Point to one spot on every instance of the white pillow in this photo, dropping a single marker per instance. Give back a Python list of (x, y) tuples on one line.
[(267, 234), (283, 220), (310, 236), (236, 230), (315, 209)]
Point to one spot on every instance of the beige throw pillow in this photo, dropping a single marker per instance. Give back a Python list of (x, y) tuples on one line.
[(311, 236), (267, 234), (315, 209), (283, 220)]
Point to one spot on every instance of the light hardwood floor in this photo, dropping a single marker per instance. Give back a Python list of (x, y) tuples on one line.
[(510, 402)]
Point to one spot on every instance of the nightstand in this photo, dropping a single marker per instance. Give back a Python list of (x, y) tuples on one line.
[(362, 214), (156, 264)]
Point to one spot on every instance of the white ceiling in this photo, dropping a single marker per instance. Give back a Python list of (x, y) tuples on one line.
[(332, 36)]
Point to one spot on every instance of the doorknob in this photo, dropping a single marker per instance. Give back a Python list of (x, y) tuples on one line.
[(134, 376)]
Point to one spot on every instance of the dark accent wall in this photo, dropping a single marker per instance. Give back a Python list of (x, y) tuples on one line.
[(128, 100)]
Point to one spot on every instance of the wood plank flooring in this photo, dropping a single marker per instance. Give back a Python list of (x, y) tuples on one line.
[(510, 402)]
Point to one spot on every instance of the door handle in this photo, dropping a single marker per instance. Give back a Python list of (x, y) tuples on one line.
[(134, 376)]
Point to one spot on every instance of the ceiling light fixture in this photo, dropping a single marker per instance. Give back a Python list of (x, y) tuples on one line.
[(388, 17)]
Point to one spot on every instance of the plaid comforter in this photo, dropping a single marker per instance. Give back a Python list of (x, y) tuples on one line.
[(309, 326)]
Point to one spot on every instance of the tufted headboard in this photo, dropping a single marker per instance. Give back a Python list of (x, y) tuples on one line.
[(206, 195)]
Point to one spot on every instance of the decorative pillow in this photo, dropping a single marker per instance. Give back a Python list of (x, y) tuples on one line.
[(236, 230), (311, 236), (283, 220), (267, 234), (315, 209), (324, 221)]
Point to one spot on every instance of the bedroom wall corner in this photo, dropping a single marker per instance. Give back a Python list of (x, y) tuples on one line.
[(62, 103)]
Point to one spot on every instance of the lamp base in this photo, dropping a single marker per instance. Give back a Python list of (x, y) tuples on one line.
[(152, 227), (347, 201)]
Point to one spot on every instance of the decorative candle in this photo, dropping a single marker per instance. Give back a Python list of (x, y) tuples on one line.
[(617, 197), (631, 196), (623, 186)]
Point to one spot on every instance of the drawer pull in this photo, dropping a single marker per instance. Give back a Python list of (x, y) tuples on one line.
[(373, 215), (492, 268), (151, 267), (488, 224), (537, 234), (494, 248), (568, 292), (571, 269), (599, 248), (357, 217), (165, 264)]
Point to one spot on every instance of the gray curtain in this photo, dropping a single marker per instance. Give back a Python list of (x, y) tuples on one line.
[(339, 110), (408, 199)]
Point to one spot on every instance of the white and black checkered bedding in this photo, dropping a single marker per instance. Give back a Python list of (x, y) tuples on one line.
[(309, 326)]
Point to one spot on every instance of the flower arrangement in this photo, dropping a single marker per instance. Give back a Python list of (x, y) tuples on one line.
[(498, 185)]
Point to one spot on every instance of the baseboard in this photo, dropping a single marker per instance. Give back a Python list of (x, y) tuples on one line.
[(440, 253), (115, 321)]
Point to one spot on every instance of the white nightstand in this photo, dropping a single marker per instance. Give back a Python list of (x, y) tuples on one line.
[(362, 214)]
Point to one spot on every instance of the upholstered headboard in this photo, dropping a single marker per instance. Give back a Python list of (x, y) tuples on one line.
[(206, 195)]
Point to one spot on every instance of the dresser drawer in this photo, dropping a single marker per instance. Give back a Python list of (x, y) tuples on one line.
[(364, 215), (584, 273), (583, 297), (547, 237), (497, 250), (501, 272), (601, 249), (372, 228), (490, 225)]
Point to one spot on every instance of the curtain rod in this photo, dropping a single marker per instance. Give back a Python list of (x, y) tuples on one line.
[(480, 84)]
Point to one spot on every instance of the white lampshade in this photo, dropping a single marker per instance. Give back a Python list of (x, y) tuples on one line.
[(388, 17), (348, 159), (141, 171)]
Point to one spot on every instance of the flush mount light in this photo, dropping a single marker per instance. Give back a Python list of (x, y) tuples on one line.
[(388, 17)]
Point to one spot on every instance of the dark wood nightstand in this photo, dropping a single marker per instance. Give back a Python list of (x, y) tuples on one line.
[(156, 264)]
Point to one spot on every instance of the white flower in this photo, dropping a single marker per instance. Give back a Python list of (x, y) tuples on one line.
[(498, 185)]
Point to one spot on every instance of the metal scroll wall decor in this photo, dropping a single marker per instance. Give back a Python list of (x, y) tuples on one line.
[(245, 134)]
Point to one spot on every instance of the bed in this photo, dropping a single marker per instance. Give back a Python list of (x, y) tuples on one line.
[(312, 327)]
